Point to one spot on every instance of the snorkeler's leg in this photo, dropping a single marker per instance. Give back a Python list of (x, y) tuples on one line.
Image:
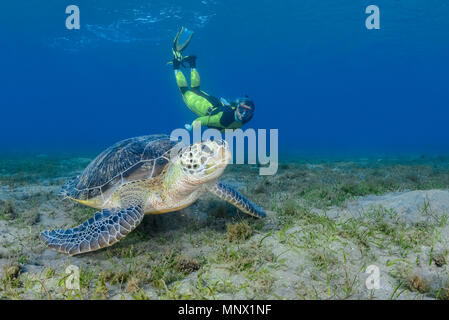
[(194, 75), (198, 104), (181, 81), (193, 98), (194, 79)]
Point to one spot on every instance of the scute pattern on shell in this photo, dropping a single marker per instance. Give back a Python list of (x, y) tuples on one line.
[(145, 155)]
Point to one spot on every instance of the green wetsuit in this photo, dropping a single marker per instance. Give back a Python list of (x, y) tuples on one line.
[(211, 111)]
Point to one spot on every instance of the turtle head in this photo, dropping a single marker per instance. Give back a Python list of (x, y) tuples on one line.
[(204, 161)]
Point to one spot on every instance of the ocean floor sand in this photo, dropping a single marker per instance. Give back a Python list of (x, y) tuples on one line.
[(327, 222)]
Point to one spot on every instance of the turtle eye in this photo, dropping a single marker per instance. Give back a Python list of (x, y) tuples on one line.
[(206, 149)]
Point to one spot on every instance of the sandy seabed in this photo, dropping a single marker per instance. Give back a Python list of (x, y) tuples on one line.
[(327, 221)]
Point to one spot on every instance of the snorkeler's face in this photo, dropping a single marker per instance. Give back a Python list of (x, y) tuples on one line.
[(243, 112)]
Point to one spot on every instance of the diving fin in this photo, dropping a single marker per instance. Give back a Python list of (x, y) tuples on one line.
[(191, 60), (180, 42), (182, 39)]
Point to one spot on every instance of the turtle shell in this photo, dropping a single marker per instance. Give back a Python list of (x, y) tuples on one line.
[(128, 160)]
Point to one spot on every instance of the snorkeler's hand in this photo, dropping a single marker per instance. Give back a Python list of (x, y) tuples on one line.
[(188, 127), (224, 102)]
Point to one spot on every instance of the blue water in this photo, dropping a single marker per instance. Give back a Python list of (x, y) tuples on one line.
[(313, 69)]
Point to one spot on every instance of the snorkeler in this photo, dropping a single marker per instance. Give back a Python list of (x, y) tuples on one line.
[(211, 111)]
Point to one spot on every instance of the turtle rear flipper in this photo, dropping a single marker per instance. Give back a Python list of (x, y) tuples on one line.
[(238, 200), (104, 229)]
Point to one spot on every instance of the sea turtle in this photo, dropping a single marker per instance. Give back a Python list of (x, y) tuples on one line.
[(147, 174)]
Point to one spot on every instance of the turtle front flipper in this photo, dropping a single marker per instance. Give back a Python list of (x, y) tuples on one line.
[(104, 229), (235, 198)]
